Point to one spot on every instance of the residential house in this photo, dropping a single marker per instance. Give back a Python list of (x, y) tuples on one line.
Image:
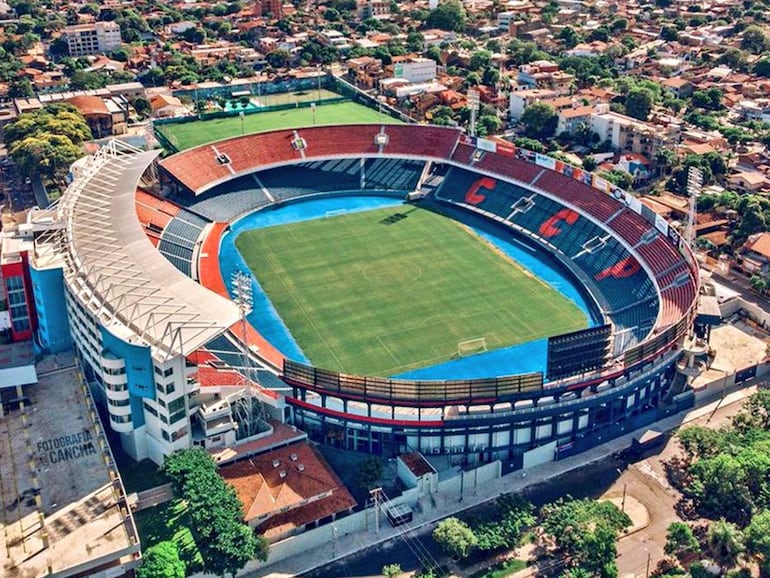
[(166, 106), (755, 254), (748, 181), (679, 87), (287, 490), (104, 116)]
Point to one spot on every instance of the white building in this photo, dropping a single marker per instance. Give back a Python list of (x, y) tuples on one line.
[(134, 350), (521, 99), (95, 38), (415, 69)]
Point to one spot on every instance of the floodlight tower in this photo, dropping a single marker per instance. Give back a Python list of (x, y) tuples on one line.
[(473, 105), (694, 188), (248, 404)]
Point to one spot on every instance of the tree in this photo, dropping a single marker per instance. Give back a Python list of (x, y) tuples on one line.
[(225, 542), (619, 178), (700, 442), (513, 515), (710, 99), (141, 106), (278, 58), (758, 539), (734, 58), (434, 53), (455, 537), (669, 33), (719, 487), (391, 570), (448, 16), (489, 124), (680, 540), (480, 59), (754, 40), (726, 543), (161, 561), (758, 407), (20, 88), (369, 471), (569, 37), (639, 103), (540, 120), (665, 158), (762, 67), (82, 80), (586, 532)]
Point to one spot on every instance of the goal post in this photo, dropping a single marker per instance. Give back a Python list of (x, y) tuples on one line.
[(471, 346), (335, 213)]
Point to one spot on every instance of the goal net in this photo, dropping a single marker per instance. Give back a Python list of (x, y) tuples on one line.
[(471, 346), (335, 213)]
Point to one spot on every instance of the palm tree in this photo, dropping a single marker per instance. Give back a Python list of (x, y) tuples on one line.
[(726, 543)]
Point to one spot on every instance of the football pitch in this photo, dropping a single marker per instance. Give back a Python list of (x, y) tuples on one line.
[(190, 134), (389, 290)]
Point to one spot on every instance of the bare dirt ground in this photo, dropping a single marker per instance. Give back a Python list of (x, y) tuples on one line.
[(737, 345)]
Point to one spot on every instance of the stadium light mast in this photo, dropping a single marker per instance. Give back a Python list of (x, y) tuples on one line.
[(694, 188), (473, 105), (243, 296)]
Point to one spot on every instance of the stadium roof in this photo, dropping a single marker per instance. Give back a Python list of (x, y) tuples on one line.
[(114, 268)]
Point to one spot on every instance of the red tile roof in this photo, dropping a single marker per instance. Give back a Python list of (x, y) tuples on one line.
[(281, 481)]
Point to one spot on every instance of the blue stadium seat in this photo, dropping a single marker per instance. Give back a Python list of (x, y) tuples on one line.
[(626, 289)]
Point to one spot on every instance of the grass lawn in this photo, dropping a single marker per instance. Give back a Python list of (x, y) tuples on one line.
[(189, 134), (363, 296), (170, 521)]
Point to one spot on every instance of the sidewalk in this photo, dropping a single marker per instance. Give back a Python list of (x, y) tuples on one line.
[(449, 505)]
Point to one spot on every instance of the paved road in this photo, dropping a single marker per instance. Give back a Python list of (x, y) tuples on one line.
[(591, 481), (644, 479)]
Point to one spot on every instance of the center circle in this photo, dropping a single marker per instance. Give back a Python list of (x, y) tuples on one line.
[(379, 273)]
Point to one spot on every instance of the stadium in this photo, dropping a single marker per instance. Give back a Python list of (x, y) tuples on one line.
[(511, 306)]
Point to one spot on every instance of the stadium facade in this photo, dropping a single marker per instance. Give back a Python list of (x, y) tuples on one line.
[(131, 248)]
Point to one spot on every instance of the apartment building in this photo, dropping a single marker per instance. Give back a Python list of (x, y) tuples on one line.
[(94, 38)]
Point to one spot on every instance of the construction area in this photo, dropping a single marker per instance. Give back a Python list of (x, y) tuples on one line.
[(64, 508)]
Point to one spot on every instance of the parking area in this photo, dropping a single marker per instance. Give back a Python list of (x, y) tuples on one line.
[(62, 504)]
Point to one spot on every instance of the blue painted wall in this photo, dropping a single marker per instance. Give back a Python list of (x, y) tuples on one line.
[(139, 372), (53, 334)]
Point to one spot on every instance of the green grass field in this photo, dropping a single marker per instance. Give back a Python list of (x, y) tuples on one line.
[(189, 134), (362, 296)]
